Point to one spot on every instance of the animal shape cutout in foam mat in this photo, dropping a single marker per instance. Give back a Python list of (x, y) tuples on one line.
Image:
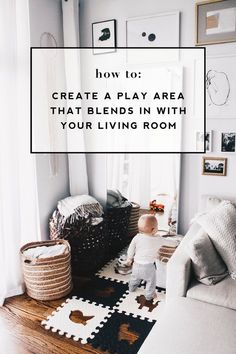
[(78, 319)]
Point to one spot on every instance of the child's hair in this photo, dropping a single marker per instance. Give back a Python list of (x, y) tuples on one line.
[(147, 221)]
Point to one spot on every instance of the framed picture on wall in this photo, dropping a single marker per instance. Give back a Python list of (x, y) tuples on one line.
[(221, 86), (104, 36), (214, 166), (159, 30), (200, 141), (215, 22), (208, 141), (228, 142)]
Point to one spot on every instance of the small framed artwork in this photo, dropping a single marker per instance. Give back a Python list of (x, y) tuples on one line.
[(208, 141), (159, 30), (200, 141), (104, 36), (215, 22), (154, 31), (228, 142), (214, 166)]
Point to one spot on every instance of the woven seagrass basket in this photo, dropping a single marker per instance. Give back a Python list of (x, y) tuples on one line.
[(47, 278), (165, 253), (133, 220)]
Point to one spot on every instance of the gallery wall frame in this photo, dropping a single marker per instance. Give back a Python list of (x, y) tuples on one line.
[(214, 166), (104, 36), (228, 141), (221, 86), (204, 140), (153, 30), (215, 22)]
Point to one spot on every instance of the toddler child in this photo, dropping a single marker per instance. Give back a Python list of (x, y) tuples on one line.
[(143, 253)]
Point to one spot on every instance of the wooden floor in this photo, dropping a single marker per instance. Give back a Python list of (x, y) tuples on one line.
[(21, 331)]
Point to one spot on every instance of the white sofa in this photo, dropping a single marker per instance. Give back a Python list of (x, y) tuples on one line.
[(181, 281), (197, 318), (188, 326)]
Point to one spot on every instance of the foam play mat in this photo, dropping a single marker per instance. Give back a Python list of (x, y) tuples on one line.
[(106, 315)]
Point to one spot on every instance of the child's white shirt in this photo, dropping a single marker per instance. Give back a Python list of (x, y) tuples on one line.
[(144, 248)]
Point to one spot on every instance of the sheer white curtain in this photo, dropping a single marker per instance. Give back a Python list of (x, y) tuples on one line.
[(77, 162), (18, 192)]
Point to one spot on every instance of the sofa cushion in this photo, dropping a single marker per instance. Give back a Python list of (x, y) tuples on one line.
[(187, 326), (208, 266), (220, 224), (179, 267), (221, 294)]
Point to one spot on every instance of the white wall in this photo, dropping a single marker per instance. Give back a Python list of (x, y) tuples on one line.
[(46, 16), (97, 176), (193, 184)]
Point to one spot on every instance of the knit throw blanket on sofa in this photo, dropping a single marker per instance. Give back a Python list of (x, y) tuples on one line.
[(220, 224)]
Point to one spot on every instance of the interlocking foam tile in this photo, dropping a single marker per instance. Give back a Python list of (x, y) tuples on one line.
[(130, 306), (108, 272), (102, 291), (91, 317), (122, 334)]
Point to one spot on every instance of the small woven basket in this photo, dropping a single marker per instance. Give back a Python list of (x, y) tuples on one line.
[(165, 253), (133, 221), (47, 278)]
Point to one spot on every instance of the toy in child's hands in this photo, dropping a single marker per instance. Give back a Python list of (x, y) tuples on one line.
[(123, 265), (158, 208)]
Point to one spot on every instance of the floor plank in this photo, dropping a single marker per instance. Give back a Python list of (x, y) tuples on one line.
[(22, 333)]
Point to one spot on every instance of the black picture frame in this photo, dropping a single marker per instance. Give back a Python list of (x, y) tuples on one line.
[(107, 30), (228, 141)]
